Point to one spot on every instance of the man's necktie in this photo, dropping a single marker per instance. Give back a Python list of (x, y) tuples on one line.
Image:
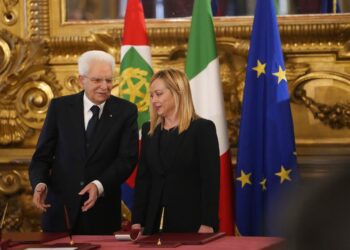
[(92, 124)]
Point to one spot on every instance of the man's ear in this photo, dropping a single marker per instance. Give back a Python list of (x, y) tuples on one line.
[(80, 80)]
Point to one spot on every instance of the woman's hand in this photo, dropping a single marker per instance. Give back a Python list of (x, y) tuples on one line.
[(136, 226), (136, 231)]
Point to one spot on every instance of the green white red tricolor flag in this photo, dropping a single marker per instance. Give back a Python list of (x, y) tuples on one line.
[(202, 69)]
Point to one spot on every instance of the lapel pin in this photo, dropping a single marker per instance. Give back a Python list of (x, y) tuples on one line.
[(110, 115)]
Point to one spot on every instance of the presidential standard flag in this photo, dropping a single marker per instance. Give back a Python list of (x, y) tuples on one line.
[(202, 69), (266, 160), (135, 73)]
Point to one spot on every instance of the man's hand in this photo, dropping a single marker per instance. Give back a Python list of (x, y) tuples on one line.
[(205, 229), (39, 197), (136, 226), (92, 190)]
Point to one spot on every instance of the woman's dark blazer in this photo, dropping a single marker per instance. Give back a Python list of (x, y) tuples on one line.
[(189, 183)]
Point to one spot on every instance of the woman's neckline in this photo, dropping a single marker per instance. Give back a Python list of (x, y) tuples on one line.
[(170, 129)]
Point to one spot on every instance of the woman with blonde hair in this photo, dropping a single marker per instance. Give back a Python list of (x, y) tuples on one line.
[(178, 175)]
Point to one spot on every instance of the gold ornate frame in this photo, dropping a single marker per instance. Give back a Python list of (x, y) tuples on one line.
[(39, 50)]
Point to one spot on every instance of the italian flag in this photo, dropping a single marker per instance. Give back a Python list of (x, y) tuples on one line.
[(202, 69), (135, 74)]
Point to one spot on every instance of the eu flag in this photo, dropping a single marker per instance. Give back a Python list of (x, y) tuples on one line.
[(328, 5), (266, 160)]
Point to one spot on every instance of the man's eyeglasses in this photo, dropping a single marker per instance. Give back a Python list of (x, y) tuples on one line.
[(97, 80)]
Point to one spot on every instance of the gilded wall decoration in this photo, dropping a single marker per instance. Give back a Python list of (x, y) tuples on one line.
[(72, 84), (9, 15), (336, 116), (38, 18), (15, 190), (26, 87)]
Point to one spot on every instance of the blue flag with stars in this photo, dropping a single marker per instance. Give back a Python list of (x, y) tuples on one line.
[(327, 6), (266, 160)]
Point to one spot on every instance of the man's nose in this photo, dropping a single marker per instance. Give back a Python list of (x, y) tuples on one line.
[(104, 84)]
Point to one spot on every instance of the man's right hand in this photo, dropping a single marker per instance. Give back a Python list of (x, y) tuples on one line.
[(39, 197), (136, 226)]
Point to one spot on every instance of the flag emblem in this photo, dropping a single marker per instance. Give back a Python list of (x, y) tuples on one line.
[(134, 87)]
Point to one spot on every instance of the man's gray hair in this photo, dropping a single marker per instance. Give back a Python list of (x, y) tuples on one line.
[(84, 61)]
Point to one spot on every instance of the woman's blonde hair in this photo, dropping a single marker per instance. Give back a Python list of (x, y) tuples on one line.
[(179, 86)]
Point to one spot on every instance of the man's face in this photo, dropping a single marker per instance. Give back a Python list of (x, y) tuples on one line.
[(98, 83)]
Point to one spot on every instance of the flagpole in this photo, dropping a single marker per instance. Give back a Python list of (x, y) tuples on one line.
[(334, 6)]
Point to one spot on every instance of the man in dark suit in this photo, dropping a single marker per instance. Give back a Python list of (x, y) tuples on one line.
[(88, 146)]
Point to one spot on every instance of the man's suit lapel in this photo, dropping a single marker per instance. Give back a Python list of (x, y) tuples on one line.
[(76, 114), (104, 125)]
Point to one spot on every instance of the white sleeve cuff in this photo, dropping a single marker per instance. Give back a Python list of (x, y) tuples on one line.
[(40, 184), (99, 187)]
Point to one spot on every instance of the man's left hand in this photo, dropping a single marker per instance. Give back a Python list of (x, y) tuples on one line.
[(92, 190), (205, 229)]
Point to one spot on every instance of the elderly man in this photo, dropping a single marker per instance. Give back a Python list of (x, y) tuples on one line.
[(87, 148)]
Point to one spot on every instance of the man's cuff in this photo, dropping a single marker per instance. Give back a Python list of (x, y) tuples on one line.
[(40, 184), (99, 187)]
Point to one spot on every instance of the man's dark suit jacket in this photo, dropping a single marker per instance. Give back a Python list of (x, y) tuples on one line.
[(62, 162), (189, 184)]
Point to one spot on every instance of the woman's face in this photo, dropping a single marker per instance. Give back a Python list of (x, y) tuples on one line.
[(162, 100)]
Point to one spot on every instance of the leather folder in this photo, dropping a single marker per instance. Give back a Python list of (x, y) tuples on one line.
[(78, 246), (182, 238), (17, 238)]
